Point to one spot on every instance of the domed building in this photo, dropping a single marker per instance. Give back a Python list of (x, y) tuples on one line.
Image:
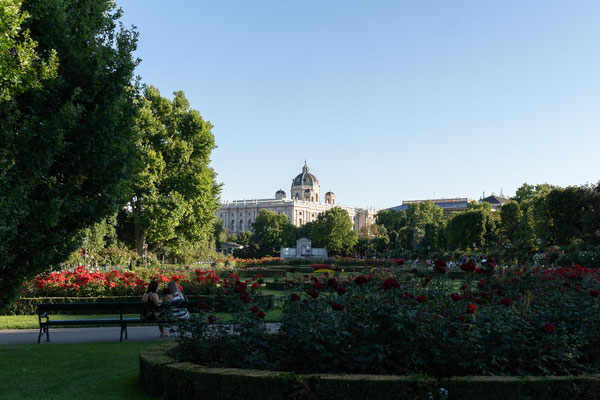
[(304, 205), (306, 186)]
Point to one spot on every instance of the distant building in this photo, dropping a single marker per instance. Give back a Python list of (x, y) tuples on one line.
[(304, 206), (495, 201), (447, 205), (303, 249), (229, 247)]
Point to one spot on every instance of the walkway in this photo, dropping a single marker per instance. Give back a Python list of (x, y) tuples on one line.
[(87, 335)]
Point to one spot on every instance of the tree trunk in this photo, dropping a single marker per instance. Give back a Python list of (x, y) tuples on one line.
[(140, 239)]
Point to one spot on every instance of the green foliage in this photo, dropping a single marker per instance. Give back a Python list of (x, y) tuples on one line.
[(271, 232), (419, 215), (392, 220), (68, 141), (175, 195), (21, 68), (333, 230)]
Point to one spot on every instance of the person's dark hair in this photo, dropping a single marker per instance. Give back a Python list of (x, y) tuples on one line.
[(152, 287)]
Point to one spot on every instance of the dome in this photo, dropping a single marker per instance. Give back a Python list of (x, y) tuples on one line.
[(329, 194), (280, 194), (305, 178)]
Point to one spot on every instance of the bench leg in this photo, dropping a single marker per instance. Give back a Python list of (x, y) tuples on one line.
[(40, 335), (123, 330)]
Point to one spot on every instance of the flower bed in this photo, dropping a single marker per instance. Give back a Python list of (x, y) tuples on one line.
[(163, 375), (84, 283), (518, 322)]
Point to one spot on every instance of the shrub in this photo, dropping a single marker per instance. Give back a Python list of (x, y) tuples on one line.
[(511, 322)]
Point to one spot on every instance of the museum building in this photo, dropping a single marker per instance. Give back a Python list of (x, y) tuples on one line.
[(303, 206)]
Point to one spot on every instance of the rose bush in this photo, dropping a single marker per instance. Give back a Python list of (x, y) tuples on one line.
[(512, 322), (81, 282)]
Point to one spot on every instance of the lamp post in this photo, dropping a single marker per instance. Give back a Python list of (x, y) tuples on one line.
[(539, 242), (474, 257)]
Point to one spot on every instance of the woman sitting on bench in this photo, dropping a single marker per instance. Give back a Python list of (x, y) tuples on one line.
[(151, 296), (174, 294)]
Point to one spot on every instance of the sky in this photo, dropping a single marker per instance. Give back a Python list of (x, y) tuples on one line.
[(386, 100)]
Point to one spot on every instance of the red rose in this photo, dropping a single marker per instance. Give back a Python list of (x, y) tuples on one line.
[(468, 267), (506, 302), (480, 283), (390, 283), (318, 285), (426, 281), (294, 297), (440, 266), (202, 305), (212, 319), (478, 301), (314, 294), (337, 307), (361, 280), (332, 283), (461, 318), (254, 309), (478, 270), (463, 287), (341, 291), (471, 308), (421, 299), (260, 314), (594, 293), (456, 297), (245, 298), (548, 328), (566, 283)]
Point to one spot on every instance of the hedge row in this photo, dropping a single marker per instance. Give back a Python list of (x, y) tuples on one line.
[(162, 375), (28, 305)]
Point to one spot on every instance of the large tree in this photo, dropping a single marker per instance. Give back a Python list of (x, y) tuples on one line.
[(175, 195), (333, 229), (67, 141), (271, 232)]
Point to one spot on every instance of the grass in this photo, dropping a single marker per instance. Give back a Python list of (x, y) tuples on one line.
[(71, 371), (31, 321)]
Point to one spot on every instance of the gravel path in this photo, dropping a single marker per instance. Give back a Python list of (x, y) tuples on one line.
[(87, 335)]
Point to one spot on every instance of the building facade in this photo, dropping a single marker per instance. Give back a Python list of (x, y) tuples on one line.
[(447, 205), (304, 205)]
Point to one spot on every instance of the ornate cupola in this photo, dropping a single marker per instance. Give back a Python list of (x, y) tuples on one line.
[(305, 186)]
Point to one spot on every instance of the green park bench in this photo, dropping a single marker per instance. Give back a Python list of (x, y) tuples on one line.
[(44, 312)]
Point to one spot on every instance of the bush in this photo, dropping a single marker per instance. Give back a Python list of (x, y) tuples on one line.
[(162, 375), (514, 322)]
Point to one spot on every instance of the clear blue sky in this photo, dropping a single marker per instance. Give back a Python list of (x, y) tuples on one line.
[(387, 100)]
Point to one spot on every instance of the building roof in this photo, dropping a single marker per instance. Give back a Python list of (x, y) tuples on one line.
[(231, 245), (305, 178), (495, 200), (454, 204)]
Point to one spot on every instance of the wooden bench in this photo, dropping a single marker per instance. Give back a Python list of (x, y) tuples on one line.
[(44, 311)]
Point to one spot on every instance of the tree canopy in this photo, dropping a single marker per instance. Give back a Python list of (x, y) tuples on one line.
[(175, 195), (333, 229), (68, 133)]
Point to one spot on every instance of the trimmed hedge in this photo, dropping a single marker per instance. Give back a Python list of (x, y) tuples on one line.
[(162, 375), (28, 305)]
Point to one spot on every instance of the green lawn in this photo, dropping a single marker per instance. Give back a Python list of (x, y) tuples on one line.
[(31, 321), (71, 371)]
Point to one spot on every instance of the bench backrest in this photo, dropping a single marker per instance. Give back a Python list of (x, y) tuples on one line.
[(116, 307)]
